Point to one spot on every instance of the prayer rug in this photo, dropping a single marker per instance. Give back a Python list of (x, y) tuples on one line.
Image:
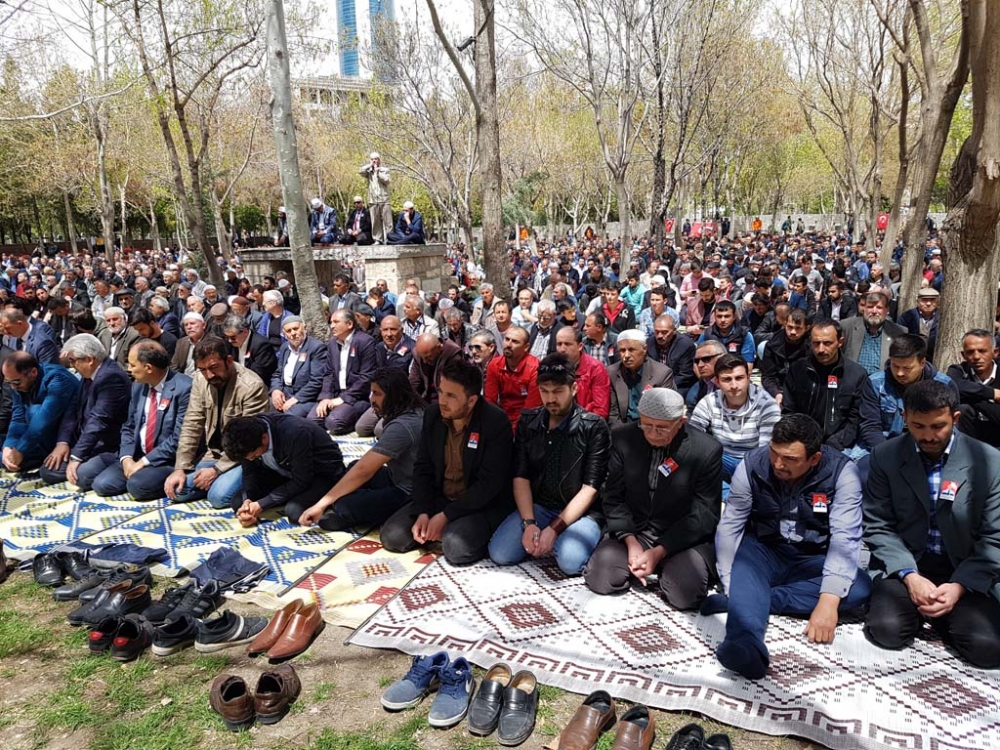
[(37, 518), (355, 582), (845, 695)]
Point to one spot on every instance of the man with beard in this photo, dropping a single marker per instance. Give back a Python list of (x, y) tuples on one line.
[(560, 460), (935, 536), (380, 482), (222, 389), (482, 350), (868, 336), (510, 379), (633, 374), (462, 472), (593, 386)]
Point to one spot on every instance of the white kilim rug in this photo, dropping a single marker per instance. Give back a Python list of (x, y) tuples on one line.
[(846, 695)]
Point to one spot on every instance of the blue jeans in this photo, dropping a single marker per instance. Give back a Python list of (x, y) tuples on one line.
[(780, 580), (572, 549), (222, 491)]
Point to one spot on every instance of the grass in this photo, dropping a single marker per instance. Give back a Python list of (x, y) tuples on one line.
[(322, 691), (375, 738), (19, 634)]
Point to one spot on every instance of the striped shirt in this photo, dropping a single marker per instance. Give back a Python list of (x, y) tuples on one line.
[(739, 430)]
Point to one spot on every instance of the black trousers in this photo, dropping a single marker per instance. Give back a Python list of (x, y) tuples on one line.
[(684, 577), (464, 541), (972, 628), (981, 421), (294, 507)]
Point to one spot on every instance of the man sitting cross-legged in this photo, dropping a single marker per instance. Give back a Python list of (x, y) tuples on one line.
[(560, 459), (461, 478), (932, 523), (156, 412), (379, 483), (788, 543), (286, 460), (661, 500)]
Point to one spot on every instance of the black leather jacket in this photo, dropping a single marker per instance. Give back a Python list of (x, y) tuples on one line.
[(584, 459)]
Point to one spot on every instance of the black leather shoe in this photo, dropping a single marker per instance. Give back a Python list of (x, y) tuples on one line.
[(131, 600), (72, 591), (688, 737), (47, 570), (520, 704), (133, 576), (718, 742), (74, 564), (484, 711), (133, 636), (99, 640)]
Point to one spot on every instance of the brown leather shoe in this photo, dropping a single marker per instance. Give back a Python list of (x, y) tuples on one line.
[(594, 716), (269, 635), (303, 627), (636, 730), (276, 691), (230, 699)]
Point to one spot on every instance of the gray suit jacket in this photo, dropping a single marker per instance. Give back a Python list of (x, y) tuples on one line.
[(854, 336), (654, 375), (897, 510)]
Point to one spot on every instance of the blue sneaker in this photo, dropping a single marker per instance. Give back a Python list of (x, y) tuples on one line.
[(415, 684), (454, 694)]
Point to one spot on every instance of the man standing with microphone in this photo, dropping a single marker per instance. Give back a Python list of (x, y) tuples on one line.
[(378, 197)]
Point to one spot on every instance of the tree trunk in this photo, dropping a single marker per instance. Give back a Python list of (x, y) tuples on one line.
[(107, 206), (124, 214), (221, 235), (624, 225), (154, 227), (288, 169), (70, 225)]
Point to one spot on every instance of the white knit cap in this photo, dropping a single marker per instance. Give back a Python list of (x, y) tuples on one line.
[(662, 403)]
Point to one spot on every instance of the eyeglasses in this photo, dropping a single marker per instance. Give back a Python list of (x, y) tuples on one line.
[(705, 360), (657, 430), (476, 347)]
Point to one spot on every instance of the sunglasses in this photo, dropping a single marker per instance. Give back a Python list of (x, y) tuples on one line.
[(704, 360)]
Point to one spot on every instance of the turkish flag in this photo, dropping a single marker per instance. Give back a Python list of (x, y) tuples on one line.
[(668, 225), (882, 222), (696, 229)]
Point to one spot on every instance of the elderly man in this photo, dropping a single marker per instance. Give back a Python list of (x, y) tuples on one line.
[(103, 298), (462, 473), (22, 333), (197, 304), (633, 374), (511, 379), (482, 310), (542, 334), (600, 343), (395, 348), (272, 321), (144, 323), (415, 322), (167, 320), (592, 384), (194, 330), (482, 350), (298, 379), (118, 337), (788, 543), (149, 438), (94, 425), (323, 223), (377, 177), (285, 463), (250, 349), (979, 387), (676, 352), (409, 227), (358, 227), (868, 336), (351, 363), (662, 500), (41, 393), (935, 535), (431, 356), (553, 515), (221, 390), (922, 320)]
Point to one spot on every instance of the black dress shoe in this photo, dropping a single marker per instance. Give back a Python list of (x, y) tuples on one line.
[(520, 704), (72, 591), (47, 570), (688, 737), (126, 601), (718, 742), (74, 564), (133, 576), (484, 711)]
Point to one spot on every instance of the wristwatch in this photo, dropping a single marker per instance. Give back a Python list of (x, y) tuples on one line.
[(526, 522)]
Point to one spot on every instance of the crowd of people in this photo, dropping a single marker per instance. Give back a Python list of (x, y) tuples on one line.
[(732, 420)]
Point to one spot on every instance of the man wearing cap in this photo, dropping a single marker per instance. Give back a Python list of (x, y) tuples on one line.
[(358, 229), (922, 320), (669, 528), (323, 223), (281, 237), (409, 227), (632, 375), (560, 459), (377, 177)]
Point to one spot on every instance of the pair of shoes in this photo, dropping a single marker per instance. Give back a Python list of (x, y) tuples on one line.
[(188, 599), (636, 730), (87, 588), (452, 680), (51, 568), (226, 631), (595, 715), (125, 637), (506, 703), (291, 631), (276, 691), (692, 737), (122, 599)]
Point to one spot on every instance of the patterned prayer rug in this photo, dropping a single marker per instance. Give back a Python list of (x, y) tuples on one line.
[(845, 695), (354, 583), (36, 518)]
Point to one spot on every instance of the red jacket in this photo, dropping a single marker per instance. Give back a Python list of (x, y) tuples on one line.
[(593, 386), (512, 390)]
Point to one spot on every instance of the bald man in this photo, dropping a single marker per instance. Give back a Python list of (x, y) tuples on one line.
[(430, 356)]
